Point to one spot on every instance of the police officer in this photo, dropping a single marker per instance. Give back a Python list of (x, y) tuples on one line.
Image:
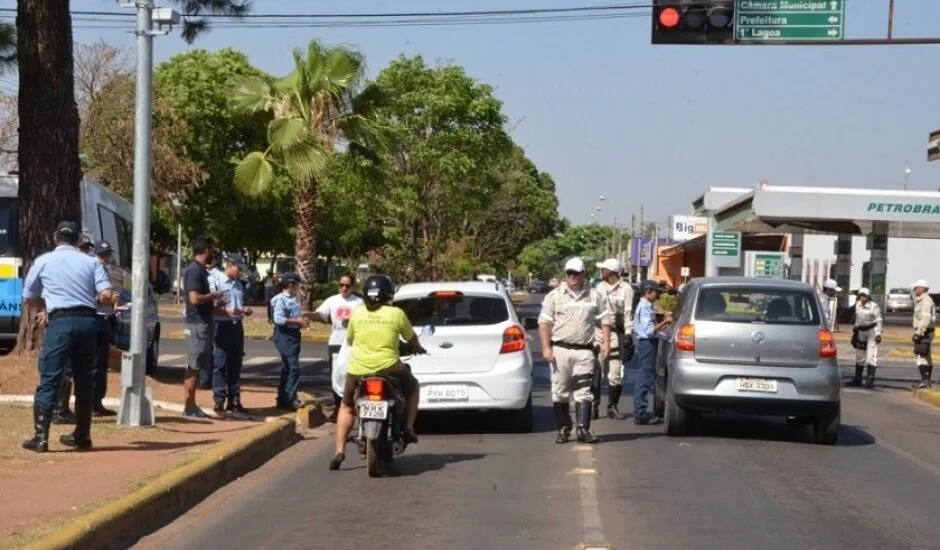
[(830, 302), (106, 320), (566, 327), (619, 297), (647, 332), (72, 284), (229, 341), (924, 322), (288, 321), (866, 335)]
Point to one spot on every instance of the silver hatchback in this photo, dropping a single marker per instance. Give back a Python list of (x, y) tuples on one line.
[(752, 346)]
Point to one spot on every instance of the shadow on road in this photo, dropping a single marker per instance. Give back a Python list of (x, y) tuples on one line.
[(732, 426), (417, 464)]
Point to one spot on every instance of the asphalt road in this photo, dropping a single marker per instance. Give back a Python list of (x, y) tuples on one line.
[(736, 483)]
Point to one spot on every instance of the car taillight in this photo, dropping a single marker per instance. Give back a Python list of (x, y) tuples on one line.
[(685, 338), (375, 389), (513, 340), (827, 343)]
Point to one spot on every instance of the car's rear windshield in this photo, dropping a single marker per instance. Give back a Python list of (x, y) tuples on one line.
[(905, 291), (455, 310), (757, 305)]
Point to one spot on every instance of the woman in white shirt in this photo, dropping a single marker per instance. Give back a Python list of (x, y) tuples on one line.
[(336, 310)]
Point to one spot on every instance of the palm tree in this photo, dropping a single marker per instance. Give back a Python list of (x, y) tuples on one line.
[(7, 48), (319, 108)]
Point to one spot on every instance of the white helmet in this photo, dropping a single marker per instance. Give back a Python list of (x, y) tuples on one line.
[(921, 284), (864, 291)]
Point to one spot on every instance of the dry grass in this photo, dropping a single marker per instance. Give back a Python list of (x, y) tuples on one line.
[(257, 328)]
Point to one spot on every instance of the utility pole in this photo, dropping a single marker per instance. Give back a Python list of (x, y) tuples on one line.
[(136, 398), (890, 19)]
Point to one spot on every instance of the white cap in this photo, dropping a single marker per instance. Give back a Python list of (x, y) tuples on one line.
[(921, 283), (831, 284), (610, 264), (863, 290), (575, 264)]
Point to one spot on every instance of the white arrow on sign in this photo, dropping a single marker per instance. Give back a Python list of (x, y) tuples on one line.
[(833, 19), (833, 5), (833, 32)]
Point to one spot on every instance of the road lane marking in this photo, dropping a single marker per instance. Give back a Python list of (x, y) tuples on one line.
[(592, 532), (170, 358)]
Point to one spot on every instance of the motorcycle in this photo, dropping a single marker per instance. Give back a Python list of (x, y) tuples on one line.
[(380, 415)]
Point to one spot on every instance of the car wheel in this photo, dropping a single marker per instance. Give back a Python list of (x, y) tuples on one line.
[(521, 420), (826, 428), (677, 419), (153, 352)]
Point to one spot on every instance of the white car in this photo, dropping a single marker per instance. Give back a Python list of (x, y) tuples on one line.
[(478, 351)]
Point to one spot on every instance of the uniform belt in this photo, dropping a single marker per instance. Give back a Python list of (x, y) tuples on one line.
[(80, 311), (866, 328), (574, 346)]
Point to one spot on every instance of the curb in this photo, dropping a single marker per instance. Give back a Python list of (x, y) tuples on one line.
[(124, 521), (931, 397)]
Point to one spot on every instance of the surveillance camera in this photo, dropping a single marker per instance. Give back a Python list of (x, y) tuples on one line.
[(165, 16)]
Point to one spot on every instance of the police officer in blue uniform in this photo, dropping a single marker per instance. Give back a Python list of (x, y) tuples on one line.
[(106, 321), (288, 319), (72, 284)]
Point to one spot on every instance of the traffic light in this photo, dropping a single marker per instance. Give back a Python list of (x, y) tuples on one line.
[(693, 22)]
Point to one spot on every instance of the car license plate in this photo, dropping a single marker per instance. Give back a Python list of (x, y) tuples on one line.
[(448, 393), (373, 410), (760, 385)]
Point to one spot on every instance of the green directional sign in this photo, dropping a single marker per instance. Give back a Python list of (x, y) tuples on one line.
[(788, 20), (726, 243)]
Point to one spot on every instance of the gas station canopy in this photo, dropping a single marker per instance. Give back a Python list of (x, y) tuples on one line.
[(832, 210)]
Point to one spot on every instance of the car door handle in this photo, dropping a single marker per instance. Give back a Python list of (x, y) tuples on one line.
[(446, 345)]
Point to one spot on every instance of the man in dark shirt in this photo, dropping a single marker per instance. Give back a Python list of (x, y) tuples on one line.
[(200, 304)]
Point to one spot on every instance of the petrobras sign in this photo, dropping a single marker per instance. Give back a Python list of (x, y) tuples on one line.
[(684, 228)]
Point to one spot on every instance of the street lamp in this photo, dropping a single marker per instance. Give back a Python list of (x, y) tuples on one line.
[(136, 398)]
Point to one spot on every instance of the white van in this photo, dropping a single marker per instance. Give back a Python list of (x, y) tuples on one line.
[(105, 215)]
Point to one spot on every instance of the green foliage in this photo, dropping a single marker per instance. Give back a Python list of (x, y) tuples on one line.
[(545, 259), (462, 197)]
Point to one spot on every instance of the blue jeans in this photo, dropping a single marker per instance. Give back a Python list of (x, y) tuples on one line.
[(287, 343), (68, 339), (228, 357), (646, 364)]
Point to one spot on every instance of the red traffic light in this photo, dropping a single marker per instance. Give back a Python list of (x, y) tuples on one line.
[(669, 17)]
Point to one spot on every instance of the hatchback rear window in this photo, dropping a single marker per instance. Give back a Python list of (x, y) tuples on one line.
[(904, 291), (455, 310), (757, 305)]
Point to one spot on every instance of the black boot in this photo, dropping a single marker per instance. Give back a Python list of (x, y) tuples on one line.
[(562, 422), (62, 414), (584, 425), (929, 377), (613, 411), (596, 409), (81, 437), (856, 380), (870, 380), (42, 417)]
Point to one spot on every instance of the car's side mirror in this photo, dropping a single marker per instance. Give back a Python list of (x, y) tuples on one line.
[(530, 323)]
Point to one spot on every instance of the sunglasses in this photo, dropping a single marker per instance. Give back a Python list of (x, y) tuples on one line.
[(574, 273)]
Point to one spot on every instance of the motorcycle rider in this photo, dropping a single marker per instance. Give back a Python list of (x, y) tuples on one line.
[(373, 335)]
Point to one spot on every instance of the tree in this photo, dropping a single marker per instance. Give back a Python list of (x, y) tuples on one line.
[(9, 127), (320, 106), (97, 66), (196, 86), (7, 48), (448, 132), (50, 168)]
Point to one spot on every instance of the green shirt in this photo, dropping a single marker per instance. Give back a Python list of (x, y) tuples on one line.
[(374, 336)]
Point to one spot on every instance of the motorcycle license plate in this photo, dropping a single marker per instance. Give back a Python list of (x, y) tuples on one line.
[(373, 410)]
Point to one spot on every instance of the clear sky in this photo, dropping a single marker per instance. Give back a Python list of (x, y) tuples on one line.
[(606, 113)]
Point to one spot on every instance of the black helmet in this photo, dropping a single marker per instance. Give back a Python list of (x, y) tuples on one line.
[(378, 289)]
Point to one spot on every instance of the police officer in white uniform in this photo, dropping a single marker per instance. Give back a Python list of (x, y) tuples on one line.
[(566, 327), (925, 316), (619, 297), (830, 302), (866, 335)]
